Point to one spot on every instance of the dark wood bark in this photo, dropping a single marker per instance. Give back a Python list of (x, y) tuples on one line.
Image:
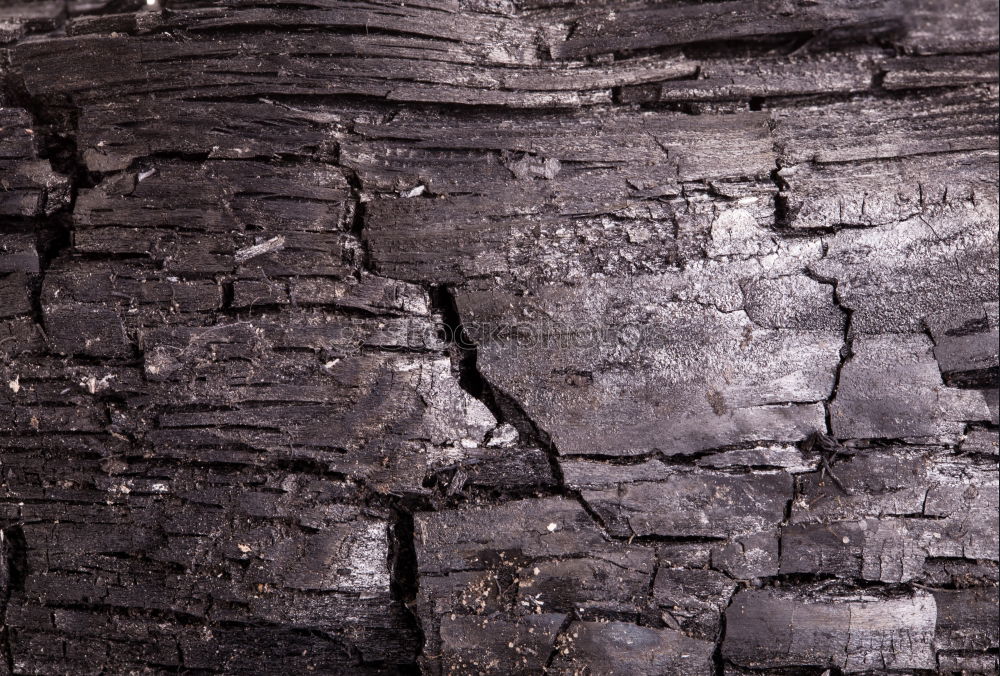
[(464, 337)]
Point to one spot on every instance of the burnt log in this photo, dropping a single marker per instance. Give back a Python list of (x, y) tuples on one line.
[(529, 337)]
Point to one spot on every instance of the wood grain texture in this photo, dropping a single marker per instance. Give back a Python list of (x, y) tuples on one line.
[(499, 337)]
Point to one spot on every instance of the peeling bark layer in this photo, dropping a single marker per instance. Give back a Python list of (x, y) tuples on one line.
[(528, 337)]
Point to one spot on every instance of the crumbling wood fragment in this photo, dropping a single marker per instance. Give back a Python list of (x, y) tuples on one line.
[(906, 508), (534, 337), (28, 186), (855, 633)]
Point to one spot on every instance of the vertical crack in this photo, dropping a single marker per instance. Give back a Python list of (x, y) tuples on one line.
[(355, 220), (846, 351), (506, 409), (13, 569), (404, 577), (54, 128), (718, 661), (465, 357), (782, 219), (559, 640)]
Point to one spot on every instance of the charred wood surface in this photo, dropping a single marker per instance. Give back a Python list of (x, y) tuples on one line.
[(499, 337)]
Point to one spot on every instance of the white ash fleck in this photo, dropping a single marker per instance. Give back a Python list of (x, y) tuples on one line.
[(503, 436), (266, 247)]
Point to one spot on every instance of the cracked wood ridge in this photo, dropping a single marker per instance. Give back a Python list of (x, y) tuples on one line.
[(499, 337)]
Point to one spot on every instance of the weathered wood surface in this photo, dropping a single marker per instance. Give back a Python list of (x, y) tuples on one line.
[(463, 337)]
